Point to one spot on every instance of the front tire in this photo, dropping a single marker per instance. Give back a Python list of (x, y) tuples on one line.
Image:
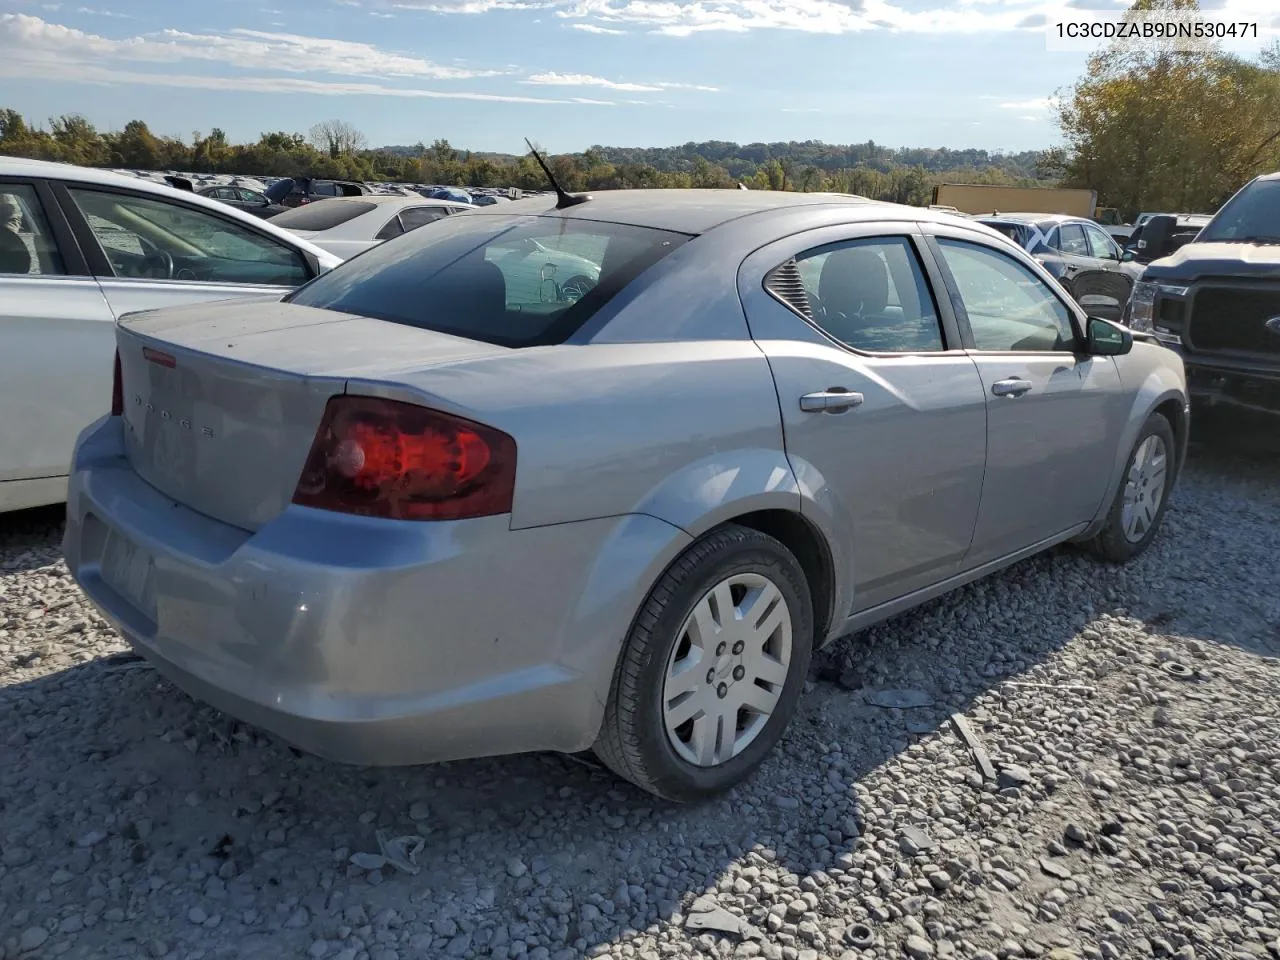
[(1138, 509), (712, 668)]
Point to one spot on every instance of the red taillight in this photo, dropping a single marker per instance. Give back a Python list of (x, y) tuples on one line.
[(117, 390), (384, 458)]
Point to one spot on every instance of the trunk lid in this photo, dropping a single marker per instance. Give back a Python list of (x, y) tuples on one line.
[(222, 400)]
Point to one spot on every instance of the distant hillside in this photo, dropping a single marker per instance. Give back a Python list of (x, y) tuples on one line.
[(742, 160)]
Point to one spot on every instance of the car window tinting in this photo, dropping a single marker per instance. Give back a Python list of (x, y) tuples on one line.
[(514, 281), (322, 214), (871, 295)]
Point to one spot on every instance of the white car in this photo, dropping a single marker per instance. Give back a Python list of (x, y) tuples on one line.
[(78, 249), (346, 226)]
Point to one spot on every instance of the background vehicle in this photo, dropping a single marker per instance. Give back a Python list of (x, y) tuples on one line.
[(81, 248), (1079, 254), (346, 226), (242, 198), (777, 418), (1163, 233), (1216, 300), (296, 191)]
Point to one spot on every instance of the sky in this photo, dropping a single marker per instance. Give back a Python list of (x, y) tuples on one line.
[(484, 74)]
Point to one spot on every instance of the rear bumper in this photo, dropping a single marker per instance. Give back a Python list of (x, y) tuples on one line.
[(364, 641)]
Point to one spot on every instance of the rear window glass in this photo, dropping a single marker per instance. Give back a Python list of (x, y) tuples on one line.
[(514, 281), (322, 214), (1019, 233)]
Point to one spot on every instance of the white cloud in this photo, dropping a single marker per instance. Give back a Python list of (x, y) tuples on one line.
[(683, 18), (110, 76), (92, 12), (1039, 104), (592, 28), (31, 38), (553, 79)]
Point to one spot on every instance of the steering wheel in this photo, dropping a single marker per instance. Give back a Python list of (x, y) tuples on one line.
[(156, 263), (576, 287)]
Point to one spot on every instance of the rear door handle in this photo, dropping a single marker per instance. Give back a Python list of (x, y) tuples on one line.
[(830, 401), (1012, 387)]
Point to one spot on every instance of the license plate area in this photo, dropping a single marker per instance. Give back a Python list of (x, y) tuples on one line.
[(129, 570)]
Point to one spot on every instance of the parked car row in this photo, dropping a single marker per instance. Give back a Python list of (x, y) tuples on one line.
[(557, 473)]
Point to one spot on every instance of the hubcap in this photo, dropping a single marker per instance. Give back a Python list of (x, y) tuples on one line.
[(1144, 488), (727, 670)]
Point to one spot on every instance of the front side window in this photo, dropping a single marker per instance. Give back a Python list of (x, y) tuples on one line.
[(144, 238), (27, 246), (1009, 308), (871, 295), (513, 280)]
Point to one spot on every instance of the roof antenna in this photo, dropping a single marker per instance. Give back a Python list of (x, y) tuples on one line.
[(563, 199)]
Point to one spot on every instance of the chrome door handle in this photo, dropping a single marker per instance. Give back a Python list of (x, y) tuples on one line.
[(1012, 387), (830, 400)]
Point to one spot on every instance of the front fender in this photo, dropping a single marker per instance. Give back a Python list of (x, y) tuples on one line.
[(1160, 383)]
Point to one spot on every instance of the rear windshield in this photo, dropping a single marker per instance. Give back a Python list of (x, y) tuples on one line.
[(515, 281), (1019, 233), (322, 214), (1253, 214)]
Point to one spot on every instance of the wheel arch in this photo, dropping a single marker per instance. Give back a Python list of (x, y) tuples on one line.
[(1159, 393)]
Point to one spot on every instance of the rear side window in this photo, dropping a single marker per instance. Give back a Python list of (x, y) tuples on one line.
[(322, 214), (515, 281), (414, 217)]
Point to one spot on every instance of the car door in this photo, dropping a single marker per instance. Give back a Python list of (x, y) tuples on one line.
[(882, 410), (1054, 415), (56, 340), (1112, 283), (150, 251)]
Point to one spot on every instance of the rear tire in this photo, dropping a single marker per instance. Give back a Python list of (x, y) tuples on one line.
[(1139, 505), (686, 717)]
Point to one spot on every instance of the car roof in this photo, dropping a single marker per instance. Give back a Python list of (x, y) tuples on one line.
[(697, 211)]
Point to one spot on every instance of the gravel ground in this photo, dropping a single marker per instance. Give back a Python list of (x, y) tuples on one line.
[(1130, 716)]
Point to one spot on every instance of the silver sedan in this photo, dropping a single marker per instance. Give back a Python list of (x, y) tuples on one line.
[(412, 513)]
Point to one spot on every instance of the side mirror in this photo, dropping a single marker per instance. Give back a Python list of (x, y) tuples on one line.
[(1127, 257), (1106, 339)]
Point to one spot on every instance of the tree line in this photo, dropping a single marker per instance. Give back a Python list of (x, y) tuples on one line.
[(335, 149), (1148, 129)]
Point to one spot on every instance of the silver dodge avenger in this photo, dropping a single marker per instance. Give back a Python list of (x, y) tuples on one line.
[(411, 512)]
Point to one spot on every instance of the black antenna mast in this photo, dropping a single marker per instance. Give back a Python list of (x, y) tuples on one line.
[(563, 199)]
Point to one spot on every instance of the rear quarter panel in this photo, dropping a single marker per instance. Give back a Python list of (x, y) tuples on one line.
[(686, 432)]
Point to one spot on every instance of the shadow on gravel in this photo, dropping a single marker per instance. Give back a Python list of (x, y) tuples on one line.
[(31, 538), (199, 813), (170, 822)]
